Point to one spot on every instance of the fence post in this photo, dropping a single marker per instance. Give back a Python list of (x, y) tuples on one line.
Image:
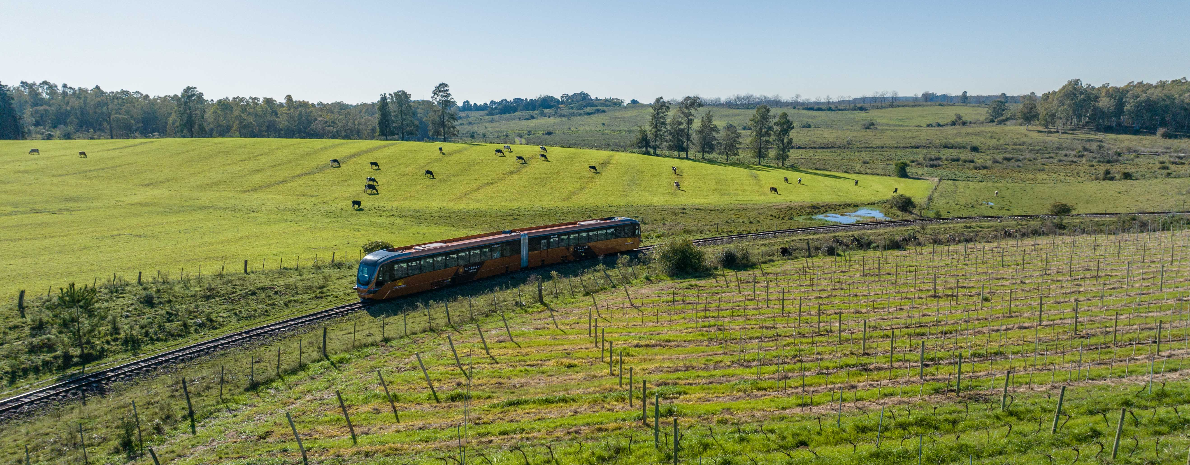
[(1119, 431), (139, 438), (245, 266), (1058, 411), (346, 416), (388, 396), (427, 375), (83, 443), (657, 420), (21, 303), (1004, 395), (456, 354), (675, 441), (189, 406), (295, 436), (324, 355)]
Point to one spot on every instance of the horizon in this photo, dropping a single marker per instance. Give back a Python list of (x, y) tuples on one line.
[(354, 52)]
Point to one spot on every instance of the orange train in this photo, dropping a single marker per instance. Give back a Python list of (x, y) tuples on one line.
[(389, 273)]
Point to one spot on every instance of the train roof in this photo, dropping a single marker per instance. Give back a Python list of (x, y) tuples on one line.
[(430, 248)]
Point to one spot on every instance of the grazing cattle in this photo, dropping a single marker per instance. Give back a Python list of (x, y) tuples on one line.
[(499, 152), (372, 180), (356, 204), (543, 157), (895, 190), (430, 174), (773, 190), (787, 180), (374, 165), (370, 188), (593, 168), (440, 151), (857, 182), (335, 163), (82, 154), (997, 193), (785, 252), (521, 159), (508, 148), (674, 169), (542, 147), (799, 180), (677, 185), (33, 151)]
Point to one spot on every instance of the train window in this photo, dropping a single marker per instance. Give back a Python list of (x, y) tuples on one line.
[(493, 252), (401, 269), (556, 242), (452, 260), (570, 242)]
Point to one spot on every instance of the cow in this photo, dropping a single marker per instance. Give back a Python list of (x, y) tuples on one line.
[(82, 154), (593, 168), (787, 180), (521, 159), (674, 169), (857, 182), (33, 151), (356, 204), (997, 193), (440, 151), (335, 163), (372, 180), (508, 148), (374, 165), (895, 189), (773, 190), (543, 157), (799, 180), (677, 185), (499, 152), (430, 174), (542, 147), (370, 188)]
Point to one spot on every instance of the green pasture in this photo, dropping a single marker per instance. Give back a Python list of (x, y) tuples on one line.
[(149, 205), (964, 198)]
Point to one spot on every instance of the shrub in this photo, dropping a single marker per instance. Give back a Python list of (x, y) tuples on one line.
[(974, 149), (1061, 209), (1164, 133), (374, 246), (902, 203), (1127, 176), (901, 169), (680, 257), (869, 125), (806, 126), (734, 258)]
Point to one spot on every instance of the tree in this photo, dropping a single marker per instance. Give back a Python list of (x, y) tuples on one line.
[(76, 314), (781, 140), (686, 110), (707, 134), (642, 140), (1061, 209), (676, 133), (996, 110), (963, 98), (657, 123), (444, 116), (384, 118), (1028, 113), (189, 113), (730, 144), (404, 118), (10, 121), (901, 169), (762, 132), (901, 203)]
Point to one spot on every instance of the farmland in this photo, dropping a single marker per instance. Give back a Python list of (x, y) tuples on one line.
[(1018, 342)]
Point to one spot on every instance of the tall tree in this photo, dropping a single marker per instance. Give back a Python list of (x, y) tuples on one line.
[(730, 144), (404, 117), (676, 133), (444, 115), (707, 134), (997, 109), (963, 98), (782, 141), (686, 109), (10, 121), (384, 118), (189, 113), (642, 140), (657, 123), (762, 132)]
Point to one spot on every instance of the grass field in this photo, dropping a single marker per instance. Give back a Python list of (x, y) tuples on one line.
[(943, 353), (965, 198), (149, 205)]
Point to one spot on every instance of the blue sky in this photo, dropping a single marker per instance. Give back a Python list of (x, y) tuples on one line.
[(354, 50)]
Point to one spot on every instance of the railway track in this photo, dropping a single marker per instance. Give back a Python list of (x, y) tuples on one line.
[(97, 381)]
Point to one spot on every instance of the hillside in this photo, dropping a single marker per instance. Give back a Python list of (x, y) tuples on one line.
[(176, 205)]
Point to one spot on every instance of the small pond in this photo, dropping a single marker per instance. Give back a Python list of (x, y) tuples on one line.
[(853, 217)]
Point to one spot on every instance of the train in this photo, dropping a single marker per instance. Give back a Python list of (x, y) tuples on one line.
[(400, 271)]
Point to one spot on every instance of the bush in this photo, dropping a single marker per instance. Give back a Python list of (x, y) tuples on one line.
[(374, 246), (734, 258), (901, 203), (1061, 209), (869, 125), (974, 149), (681, 257), (1127, 176), (901, 169), (1164, 133)]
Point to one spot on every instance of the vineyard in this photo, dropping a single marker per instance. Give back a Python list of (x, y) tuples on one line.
[(1035, 347)]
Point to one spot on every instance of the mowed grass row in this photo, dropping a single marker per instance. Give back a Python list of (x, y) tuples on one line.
[(788, 362), (147, 205)]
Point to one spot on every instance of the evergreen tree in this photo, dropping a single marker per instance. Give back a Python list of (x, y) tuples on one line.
[(189, 113), (762, 132), (444, 116), (10, 121), (657, 123), (686, 111), (707, 134), (730, 145), (782, 141), (404, 117), (384, 118), (642, 140), (676, 133)]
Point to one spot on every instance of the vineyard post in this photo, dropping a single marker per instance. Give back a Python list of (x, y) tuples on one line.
[(245, 266), (83, 443), (189, 406), (346, 416), (21, 302), (507, 330), (446, 306), (1119, 431), (220, 383), (324, 354), (675, 441), (644, 402), (388, 396), (295, 436), (451, 342), (1004, 394), (879, 427), (485, 342), (427, 375), (139, 438), (657, 420), (958, 383), (1058, 411)]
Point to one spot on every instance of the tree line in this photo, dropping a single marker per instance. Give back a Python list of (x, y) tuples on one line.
[(575, 101), (770, 136), (1162, 107)]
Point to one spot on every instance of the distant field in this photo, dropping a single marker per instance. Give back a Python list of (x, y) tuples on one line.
[(147, 205), (962, 198)]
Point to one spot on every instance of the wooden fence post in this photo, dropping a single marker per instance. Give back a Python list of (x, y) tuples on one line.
[(346, 416), (427, 375), (324, 355), (388, 396), (675, 441), (295, 436), (485, 342), (21, 303), (459, 364), (245, 266)]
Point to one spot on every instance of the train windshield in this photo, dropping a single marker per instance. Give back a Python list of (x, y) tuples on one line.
[(367, 271)]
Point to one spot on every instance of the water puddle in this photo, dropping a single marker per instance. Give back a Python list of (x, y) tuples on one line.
[(853, 217)]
